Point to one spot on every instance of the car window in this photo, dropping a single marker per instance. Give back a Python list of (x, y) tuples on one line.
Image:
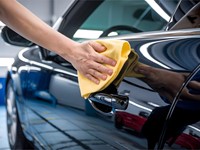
[(186, 16), (125, 16), (118, 17)]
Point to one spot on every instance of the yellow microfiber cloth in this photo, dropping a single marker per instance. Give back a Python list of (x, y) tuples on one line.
[(127, 59)]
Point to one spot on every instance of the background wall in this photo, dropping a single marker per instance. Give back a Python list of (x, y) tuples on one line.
[(47, 10)]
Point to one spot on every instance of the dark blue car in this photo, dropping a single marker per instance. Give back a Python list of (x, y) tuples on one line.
[(162, 111)]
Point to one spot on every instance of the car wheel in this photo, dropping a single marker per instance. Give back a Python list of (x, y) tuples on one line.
[(118, 122), (16, 138)]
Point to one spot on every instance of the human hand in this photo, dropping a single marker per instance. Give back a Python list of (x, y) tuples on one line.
[(165, 82), (168, 83), (87, 60), (188, 94), (84, 57)]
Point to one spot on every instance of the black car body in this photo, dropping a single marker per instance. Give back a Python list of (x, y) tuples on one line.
[(46, 111)]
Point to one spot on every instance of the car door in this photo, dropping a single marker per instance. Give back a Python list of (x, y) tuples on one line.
[(55, 94), (148, 104), (51, 84), (55, 109), (182, 131)]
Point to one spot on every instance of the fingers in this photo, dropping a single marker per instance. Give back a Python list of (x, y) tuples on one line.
[(91, 78), (104, 60), (101, 68), (93, 70), (101, 58), (194, 85), (92, 64), (97, 47), (188, 96), (97, 72)]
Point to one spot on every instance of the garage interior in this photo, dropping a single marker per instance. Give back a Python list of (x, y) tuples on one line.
[(44, 105)]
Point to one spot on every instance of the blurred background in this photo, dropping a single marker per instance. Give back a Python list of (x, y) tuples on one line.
[(48, 11)]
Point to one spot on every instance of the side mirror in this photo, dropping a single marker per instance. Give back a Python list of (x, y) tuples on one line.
[(11, 37)]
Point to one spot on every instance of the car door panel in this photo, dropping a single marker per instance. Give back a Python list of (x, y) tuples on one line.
[(56, 107), (184, 130), (58, 87)]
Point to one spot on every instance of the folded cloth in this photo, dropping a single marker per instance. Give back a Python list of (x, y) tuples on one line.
[(127, 59)]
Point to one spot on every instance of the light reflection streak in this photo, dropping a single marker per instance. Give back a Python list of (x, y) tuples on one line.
[(22, 58), (158, 9), (140, 106), (144, 51)]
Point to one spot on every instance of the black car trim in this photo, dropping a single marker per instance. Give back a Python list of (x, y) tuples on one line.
[(75, 17)]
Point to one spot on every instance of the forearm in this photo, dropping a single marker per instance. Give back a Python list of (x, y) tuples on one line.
[(83, 56), (21, 20)]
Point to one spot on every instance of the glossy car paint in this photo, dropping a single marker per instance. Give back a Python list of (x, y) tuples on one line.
[(54, 116)]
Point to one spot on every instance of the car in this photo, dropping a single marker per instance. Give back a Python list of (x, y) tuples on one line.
[(44, 106)]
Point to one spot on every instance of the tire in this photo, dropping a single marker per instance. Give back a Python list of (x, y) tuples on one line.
[(16, 137)]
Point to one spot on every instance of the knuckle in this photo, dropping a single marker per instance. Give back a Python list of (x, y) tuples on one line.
[(94, 73), (91, 56), (90, 43), (89, 71), (99, 67), (88, 76), (103, 68), (102, 59), (87, 63), (90, 65)]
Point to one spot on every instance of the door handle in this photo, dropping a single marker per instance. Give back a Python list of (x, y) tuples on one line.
[(109, 101)]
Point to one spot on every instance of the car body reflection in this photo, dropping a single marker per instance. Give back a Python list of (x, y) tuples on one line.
[(131, 121), (134, 124), (48, 84), (163, 105)]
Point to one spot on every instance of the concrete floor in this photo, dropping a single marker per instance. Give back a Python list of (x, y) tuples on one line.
[(3, 130)]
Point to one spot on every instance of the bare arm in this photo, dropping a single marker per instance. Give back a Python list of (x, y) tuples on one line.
[(83, 56)]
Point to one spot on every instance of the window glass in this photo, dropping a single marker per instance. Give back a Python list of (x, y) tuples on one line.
[(186, 16), (141, 15)]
